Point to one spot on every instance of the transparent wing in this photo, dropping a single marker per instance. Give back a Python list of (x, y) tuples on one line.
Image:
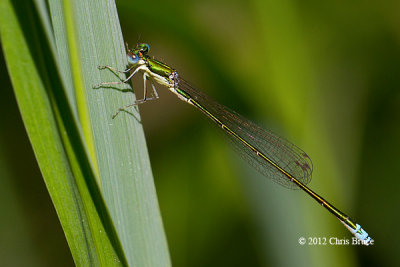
[(284, 154)]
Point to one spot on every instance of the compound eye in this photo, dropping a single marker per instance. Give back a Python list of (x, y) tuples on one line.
[(133, 59), (144, 48)]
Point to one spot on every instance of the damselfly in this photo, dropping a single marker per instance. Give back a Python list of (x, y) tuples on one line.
[(273, 156)]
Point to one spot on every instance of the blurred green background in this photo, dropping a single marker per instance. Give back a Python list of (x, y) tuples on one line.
[(323, 74)]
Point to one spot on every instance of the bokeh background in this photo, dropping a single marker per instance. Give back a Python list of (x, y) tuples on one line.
[(323, 74)]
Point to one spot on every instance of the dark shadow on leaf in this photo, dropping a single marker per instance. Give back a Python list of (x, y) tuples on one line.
[(129, 113)]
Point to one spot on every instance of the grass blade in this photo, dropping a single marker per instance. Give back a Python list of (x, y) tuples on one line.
[(98, 176)]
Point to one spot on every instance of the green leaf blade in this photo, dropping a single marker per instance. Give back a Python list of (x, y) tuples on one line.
[(109, 216)]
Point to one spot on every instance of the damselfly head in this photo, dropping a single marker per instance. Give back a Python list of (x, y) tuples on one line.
[(133, 58), (143, 48)]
